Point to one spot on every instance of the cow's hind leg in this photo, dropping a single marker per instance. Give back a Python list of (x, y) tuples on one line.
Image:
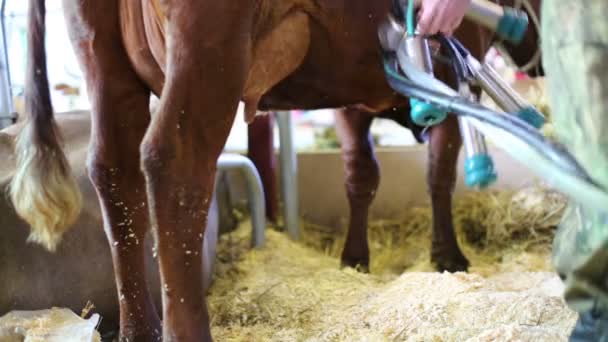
[(120, 115), (207, 58), (362, 179), (444, 147)]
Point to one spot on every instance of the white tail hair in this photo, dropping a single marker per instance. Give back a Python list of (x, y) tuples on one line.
[(43, 190)]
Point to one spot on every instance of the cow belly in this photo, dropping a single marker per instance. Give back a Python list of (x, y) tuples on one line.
[(304, 55)]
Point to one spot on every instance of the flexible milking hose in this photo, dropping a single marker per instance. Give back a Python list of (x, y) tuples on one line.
[(409, 18), (550, 161)]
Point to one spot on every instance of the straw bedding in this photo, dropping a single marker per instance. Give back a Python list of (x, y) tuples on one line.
[(292, 291)]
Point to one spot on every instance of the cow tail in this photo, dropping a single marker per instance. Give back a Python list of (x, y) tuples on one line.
[(43, 190)]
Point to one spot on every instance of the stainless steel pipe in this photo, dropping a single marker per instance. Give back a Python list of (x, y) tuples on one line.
[(257, 206)]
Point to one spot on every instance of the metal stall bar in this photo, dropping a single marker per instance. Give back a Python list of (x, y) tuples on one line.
[(289, 174), (257, 208), (6, 98)]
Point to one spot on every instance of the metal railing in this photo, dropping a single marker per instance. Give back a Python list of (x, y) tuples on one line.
[(7, 115)]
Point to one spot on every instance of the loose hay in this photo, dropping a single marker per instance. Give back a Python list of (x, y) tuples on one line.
[(296, 292), (491, 226)]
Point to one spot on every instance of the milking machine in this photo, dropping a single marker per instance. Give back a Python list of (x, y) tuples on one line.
[(409, 71)]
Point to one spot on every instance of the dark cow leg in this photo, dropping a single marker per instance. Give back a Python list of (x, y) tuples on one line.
[(261, 152), (362, 179), (444, 147), (120, 118), (120, 115), (207, 60)]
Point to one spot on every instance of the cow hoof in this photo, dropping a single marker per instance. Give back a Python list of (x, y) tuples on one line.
[(142, 338), (152, 334), (359, 264), (451, 262)]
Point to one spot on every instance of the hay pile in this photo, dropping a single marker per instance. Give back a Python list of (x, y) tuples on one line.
[(492, 226), (296, 291)]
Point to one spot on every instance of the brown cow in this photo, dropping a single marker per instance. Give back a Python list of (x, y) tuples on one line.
[(200, 58), (362, 170)]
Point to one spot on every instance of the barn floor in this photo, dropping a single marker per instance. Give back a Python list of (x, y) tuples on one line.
[(296, 292)]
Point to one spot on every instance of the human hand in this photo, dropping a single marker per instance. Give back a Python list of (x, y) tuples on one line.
[(441, 16)]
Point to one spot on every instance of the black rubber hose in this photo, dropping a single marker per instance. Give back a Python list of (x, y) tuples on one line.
[(458, 63), (458, 45)]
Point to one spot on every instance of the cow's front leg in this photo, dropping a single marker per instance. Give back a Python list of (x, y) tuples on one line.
[(362, 178), (444, 147)]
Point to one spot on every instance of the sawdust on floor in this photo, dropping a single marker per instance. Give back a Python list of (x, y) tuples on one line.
[(292, 291)]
